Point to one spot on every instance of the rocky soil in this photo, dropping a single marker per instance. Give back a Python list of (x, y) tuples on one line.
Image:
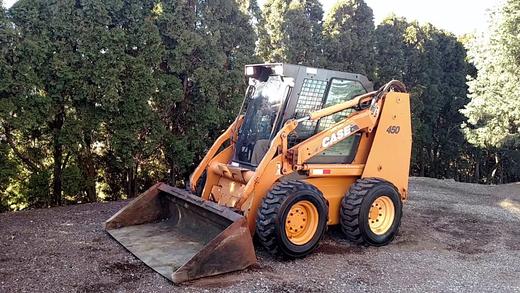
[(454, 237)]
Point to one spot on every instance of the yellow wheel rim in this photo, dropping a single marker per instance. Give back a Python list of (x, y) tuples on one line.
[(301, 222), (381, 215)]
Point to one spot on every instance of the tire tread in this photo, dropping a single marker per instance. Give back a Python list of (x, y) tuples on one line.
[(270, 208), (351, 208)]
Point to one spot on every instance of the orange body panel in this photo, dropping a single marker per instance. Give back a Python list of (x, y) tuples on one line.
[(334, 170), (213, 178), (383, 152), (333, 189), (229, 135), (389, 156)]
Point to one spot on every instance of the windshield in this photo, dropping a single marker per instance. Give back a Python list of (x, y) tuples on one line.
[(263, 107)]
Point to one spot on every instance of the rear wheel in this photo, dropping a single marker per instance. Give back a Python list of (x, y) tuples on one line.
[(292, 219), (371, 212)]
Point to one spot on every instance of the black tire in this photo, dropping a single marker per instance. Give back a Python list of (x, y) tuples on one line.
[(355, 208), (272, 214)]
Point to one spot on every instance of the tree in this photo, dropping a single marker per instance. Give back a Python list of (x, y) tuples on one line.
[(432, 64), (134, 132), (92, 62), (23, 117), (56, 48), (251, 9), (290, 31), (8, 166), (348, 38), (493, 112), (207, 44)]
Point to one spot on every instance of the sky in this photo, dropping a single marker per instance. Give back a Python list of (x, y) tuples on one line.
[(456, 16)]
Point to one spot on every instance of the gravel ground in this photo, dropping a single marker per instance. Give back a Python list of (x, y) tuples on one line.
[(454, 237)]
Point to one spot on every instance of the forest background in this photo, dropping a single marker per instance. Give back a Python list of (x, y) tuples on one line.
[(100, 99)]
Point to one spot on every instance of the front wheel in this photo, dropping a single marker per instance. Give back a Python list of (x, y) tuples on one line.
[(371, 212), (292, 219)]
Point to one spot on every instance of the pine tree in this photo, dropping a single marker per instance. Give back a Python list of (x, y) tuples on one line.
[(290, 31), (432, 64), (251, 9), (93, 64), (392, 52), (24, 114), (494, 110), (348, 38), (207, 44), (8, 167), (134, 131)]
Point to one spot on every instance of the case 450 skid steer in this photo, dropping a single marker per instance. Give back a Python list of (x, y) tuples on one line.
[(310, 148)]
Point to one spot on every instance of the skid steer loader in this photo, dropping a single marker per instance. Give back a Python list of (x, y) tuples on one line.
[(310, 148)]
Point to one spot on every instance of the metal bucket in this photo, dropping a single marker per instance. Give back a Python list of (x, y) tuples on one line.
[(181, 236)]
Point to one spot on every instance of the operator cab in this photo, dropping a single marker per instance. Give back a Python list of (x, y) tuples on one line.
[(278, 92)]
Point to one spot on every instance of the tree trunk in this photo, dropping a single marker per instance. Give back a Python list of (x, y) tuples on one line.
[(171, 173), (454, 171), (477, 172), (131, 185), (57, 187), (57, 173), (501, 169), (421, 172), (434, 173), (134, 180), (88, 168), (24, 158), (492, 178)]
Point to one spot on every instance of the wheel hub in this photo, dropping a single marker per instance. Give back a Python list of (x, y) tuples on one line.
[(301, 222), (381, 215)]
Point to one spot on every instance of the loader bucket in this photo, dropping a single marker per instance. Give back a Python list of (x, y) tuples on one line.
[(181, 236)]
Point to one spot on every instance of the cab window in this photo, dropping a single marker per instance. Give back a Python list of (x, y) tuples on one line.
[(340, 90)]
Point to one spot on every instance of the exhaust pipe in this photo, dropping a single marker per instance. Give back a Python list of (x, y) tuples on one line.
[(181, 236)]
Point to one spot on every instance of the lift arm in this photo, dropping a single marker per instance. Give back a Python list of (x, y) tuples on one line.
[(364, 120), (229, 135)]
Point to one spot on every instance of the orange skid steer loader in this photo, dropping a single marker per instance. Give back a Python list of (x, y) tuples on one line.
[(310, 148)]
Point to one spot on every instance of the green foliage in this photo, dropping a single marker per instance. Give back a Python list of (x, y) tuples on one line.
[(203, 64), (494, 110), (8, 167), (348, 38), (105, 94), (251, 9), (432, 64), (8, 172), (100, 99), (73, 182), (36, 191), (290, 31)]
